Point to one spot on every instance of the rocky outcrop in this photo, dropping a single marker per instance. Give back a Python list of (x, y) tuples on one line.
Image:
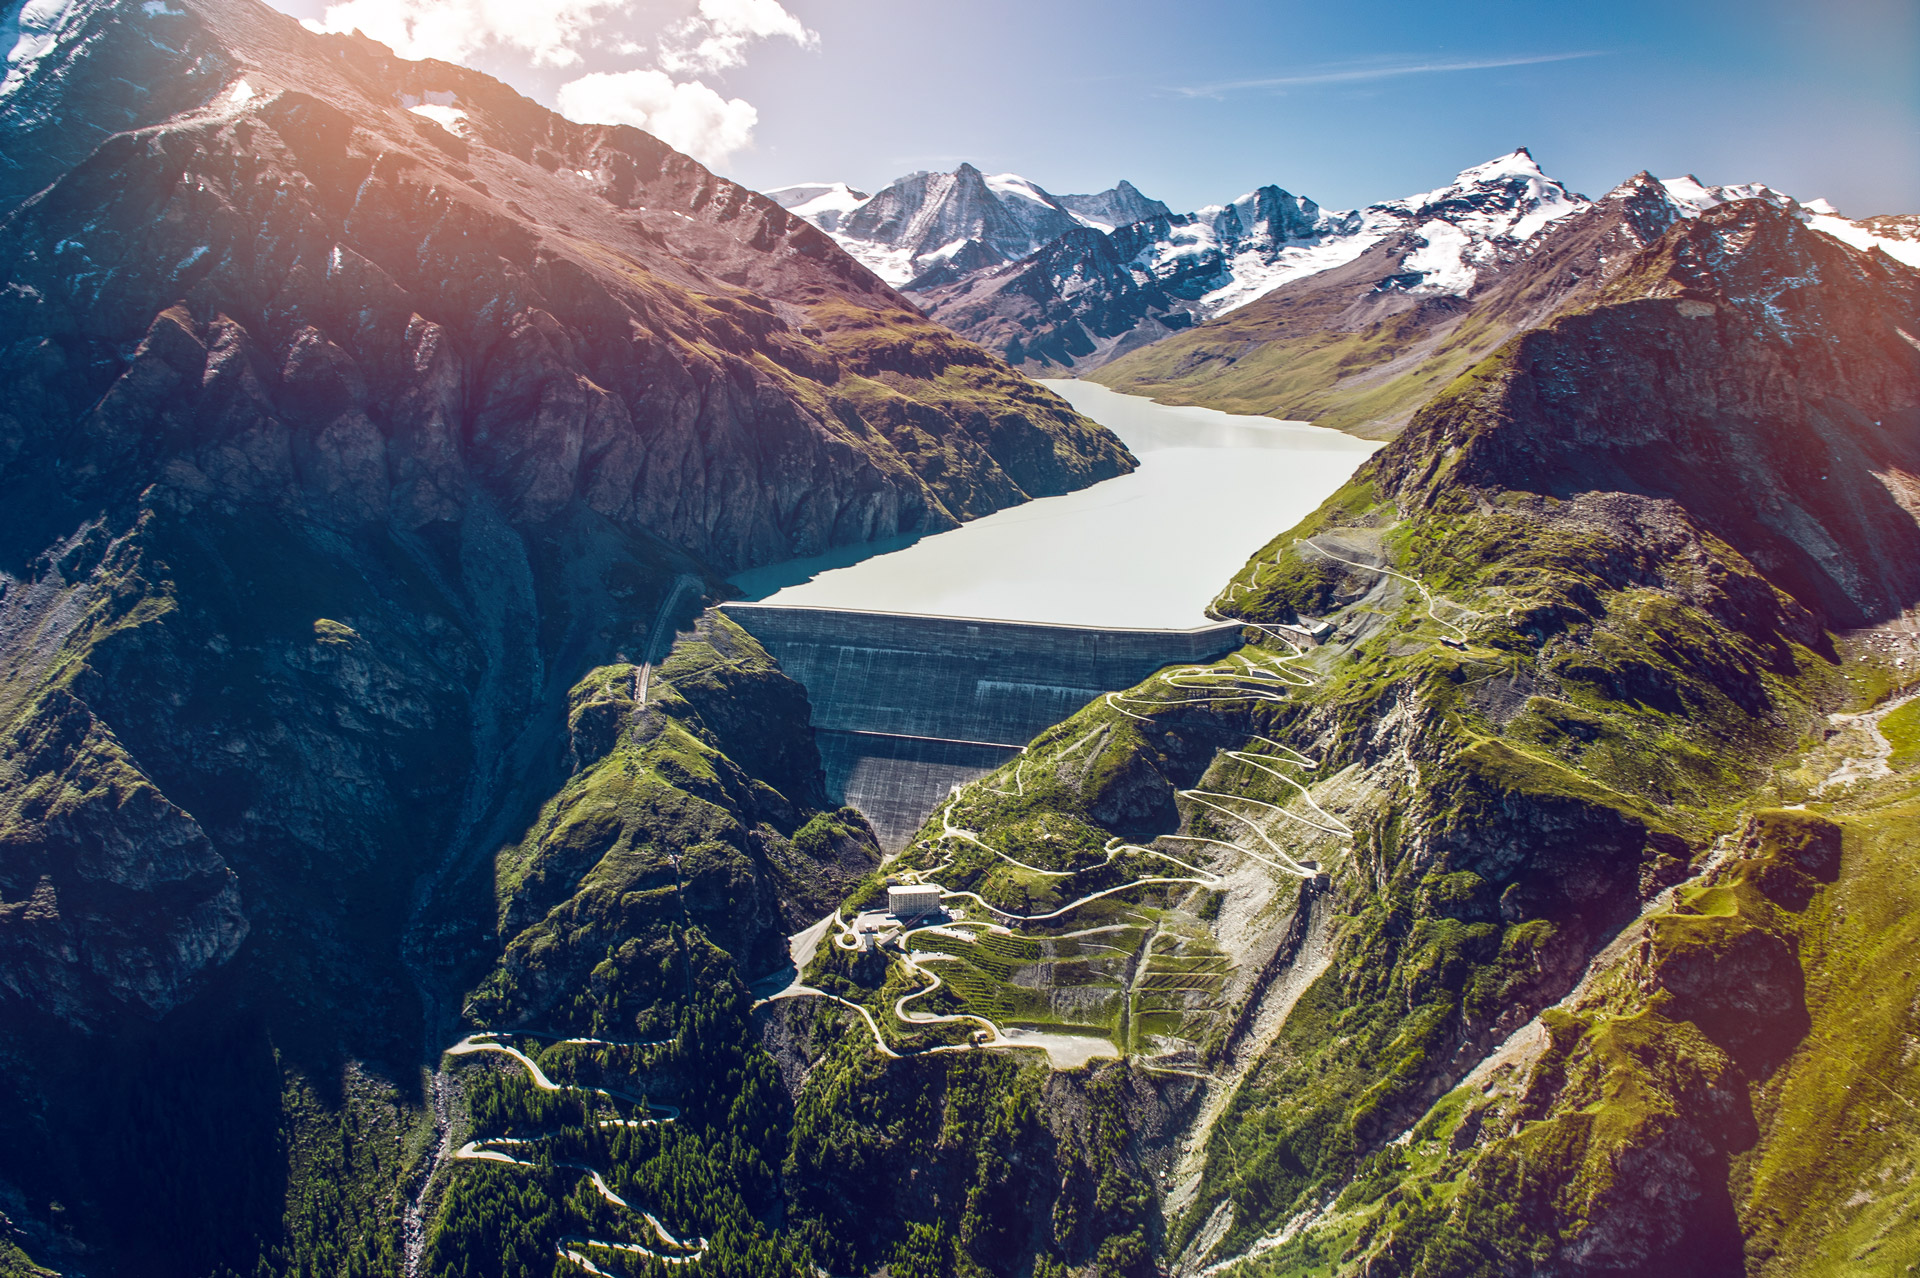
[(1362, 345), (336, 303), (1707, 375), (393, 424), (119, 899), (690, 811)]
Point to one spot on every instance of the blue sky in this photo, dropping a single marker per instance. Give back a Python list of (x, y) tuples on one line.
[(1199, 100)]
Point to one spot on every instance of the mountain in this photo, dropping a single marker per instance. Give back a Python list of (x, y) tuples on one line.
[(358, 410), (822, 203), (1003, 262), (1087, 300), (963, 220), (404, 873), (1271, 259), (1361, 346), (1120, 205), (1539, 916)]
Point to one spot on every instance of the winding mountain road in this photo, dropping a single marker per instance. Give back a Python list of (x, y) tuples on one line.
[(496, 1149), (1459, 635)]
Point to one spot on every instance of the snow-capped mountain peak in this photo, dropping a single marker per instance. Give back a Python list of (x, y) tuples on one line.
[(1892, 236), (1518, 162), (1013, 186), (1120, 205), (1501, 203), (965, 219), (1487, 214), (1694, 196), (825, 204)]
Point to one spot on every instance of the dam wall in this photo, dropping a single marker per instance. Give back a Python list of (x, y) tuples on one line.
[(907, 706)]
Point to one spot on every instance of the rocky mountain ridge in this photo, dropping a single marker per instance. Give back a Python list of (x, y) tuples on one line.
[(1360, 347), (960, 221), (1079, 296), (358, 408), (1086, 299), (1571, 937)]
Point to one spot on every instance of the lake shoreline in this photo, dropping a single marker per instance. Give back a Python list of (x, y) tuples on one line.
[(1146, 550)]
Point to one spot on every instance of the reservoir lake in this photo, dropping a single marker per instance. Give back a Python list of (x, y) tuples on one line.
[(1148, 550)]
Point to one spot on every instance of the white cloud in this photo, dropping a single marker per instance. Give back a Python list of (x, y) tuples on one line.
[(547, 31), (665, 100), (718, 37), (687, 116)]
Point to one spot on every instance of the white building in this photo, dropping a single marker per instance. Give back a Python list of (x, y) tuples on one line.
[(913, 900)]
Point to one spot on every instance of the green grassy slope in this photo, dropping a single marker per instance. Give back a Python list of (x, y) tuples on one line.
[(1263, 362), (1549, 697), (1352, 350)]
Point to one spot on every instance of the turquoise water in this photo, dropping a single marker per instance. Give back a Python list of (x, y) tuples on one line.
[(1149, 549)]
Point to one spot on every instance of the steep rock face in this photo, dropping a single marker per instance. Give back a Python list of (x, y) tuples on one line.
[(1537, 992), (925, 212), (687, 811), (121, 899), (407, 292), (1074, 299), (1167, 272), (1707, 374), (1361, 346), (1118, 206), (934, 225), (59, 109), (290, 298)]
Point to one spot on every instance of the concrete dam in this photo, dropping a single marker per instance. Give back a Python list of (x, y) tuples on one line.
[(907, 706)]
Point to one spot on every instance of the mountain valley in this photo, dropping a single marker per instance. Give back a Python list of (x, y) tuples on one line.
[(411, 864), (1360, 316)]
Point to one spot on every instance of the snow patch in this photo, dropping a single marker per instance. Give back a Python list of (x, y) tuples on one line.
[(1516, 163), (34, 32), (1689, 193), (941, 254), (452, 119), (439, 106), (825, 204), (1012, 184), (893, 265), (1860, 237), (1695, 197), (1441, 261), (240, 94), (158, 9), (1254, 276)]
